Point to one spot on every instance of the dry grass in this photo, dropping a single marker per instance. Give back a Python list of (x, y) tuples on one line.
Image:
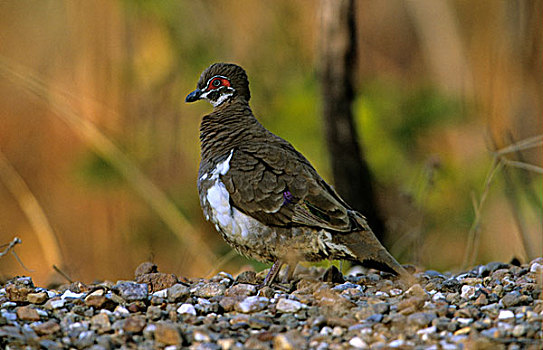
[(106, 148)]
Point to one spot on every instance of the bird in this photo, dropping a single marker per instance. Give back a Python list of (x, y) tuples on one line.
[(264, 197)]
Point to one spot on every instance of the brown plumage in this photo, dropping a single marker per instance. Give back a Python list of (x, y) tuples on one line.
[(264, 197)]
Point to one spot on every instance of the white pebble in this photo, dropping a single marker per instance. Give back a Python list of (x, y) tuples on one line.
[(186, 309), (163, 293), (68, 294), (358, 343), (464, 321), (57, 304), (396, 292), (121, 310), (438, 296), (287, 305), (326, 330), (505, 315), (468, 292), (536, 268)]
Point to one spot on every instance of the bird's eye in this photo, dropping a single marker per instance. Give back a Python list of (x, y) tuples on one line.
[(216, 83)]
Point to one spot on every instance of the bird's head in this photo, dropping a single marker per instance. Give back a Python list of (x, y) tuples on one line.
[(219, 83)]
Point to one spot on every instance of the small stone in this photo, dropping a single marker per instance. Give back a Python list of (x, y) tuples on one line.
[(26, 313), (519, 330), (177, 293), (417, 291), (463, 331), (337, 331), (290, 340), (468, 292), (247, 277), (512, 299), (99, 302), (46, 328), (536, 268), (37, 298), (131, 291), (157, 281), (134, 324), (451, 285), (167, 333), (481, 300), (358, 343), (242, 289), (252, 304), (410, 305), (186, 309), (421, 319), (210, 290), (57, 303), (100, 322), (328, 298), (287, 305), (229, 303), (145, 268), (68, 294), (161, 294), (506, 315), (18, 292)]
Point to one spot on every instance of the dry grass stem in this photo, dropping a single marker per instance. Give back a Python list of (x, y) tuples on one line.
[(10, 246), (470, 254), (528, 143), (33, 211), (63, 274)]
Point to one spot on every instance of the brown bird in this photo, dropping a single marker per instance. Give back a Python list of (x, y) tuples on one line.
[(264, 197)]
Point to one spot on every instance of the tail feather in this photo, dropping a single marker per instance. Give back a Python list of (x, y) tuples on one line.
[(371, 253)]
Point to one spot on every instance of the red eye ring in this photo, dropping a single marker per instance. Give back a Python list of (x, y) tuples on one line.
[(216, 82)]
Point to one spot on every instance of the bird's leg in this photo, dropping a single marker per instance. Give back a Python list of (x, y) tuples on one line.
[(274, 270)]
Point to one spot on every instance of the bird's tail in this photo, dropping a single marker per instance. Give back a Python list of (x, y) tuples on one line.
[(371, 253)]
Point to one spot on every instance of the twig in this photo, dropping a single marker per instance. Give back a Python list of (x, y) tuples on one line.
[(522, 165), (528, 143), (10, 246), (60, 272)]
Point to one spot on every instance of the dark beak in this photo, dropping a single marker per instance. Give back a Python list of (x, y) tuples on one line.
[(193, 96)]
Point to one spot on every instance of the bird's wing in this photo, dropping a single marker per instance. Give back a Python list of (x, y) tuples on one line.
[(278, 186)]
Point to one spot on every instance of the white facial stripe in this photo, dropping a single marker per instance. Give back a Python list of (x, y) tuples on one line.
[(222, 97)]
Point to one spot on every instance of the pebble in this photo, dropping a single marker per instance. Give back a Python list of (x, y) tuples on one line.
[(131, 291), (187, 309), (287, 305), (506, 315), (177, 293), (26, 313), (366, 310), (37, 298), (167, 333), (358, 343), (252, 304)]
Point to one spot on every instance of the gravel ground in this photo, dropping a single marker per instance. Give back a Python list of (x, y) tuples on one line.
[(493, 306)]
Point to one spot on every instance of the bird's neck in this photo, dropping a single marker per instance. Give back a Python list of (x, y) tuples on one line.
[(229, 125)]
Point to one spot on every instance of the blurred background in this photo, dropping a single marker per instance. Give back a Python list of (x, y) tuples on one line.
[(99, 153)]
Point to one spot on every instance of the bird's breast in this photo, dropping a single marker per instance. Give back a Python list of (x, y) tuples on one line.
[(235, 226)]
